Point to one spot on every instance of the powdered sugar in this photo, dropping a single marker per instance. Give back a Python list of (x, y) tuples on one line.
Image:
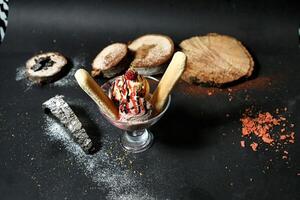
[(69, 80), (104, 168), (109, 168), (21, 76)]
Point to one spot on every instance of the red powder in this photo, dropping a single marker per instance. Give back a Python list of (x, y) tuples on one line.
[(267, 139), (254, 146), (292, 135), (270, 130), (194, 90), (282, 137), (260, 126)]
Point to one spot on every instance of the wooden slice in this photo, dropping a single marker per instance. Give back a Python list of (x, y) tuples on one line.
[(46, 67), (151, 52), (215, 59), (108, 61)]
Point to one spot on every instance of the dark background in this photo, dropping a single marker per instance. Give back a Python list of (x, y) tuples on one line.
[(195, 143)]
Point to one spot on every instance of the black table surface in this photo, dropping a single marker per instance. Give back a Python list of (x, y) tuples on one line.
[(196, 154)]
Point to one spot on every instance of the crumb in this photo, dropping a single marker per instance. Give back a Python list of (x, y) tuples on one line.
[(267, 139), (292, 141), (254, 146), (242, 143), (292, 135), (282, 137), (282, 118)]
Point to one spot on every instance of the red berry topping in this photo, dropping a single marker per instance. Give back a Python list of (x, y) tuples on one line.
[(131, 74)]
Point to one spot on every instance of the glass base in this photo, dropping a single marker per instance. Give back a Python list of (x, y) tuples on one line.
[(137, 141)]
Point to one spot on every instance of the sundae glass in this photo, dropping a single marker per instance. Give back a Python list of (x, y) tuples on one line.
[(129, 102), (136, 137)]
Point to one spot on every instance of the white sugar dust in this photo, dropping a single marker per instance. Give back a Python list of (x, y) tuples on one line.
[(102, 167)]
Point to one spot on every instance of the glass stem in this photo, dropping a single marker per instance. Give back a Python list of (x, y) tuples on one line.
[(137, 133), (137, 141)]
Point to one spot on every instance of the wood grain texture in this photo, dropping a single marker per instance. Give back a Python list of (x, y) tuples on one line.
[(151, 52), (47, 74), (215, 59)]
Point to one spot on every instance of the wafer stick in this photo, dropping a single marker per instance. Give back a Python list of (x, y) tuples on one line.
[(169, 79), (89, 85)]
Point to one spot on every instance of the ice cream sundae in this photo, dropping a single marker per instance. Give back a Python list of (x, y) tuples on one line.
[(126, 102), (130, 92)]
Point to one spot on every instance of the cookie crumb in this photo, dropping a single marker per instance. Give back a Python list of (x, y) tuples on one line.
[(242, 143), (254, 146)]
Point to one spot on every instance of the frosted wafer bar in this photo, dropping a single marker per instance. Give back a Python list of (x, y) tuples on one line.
[(62, 111)]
